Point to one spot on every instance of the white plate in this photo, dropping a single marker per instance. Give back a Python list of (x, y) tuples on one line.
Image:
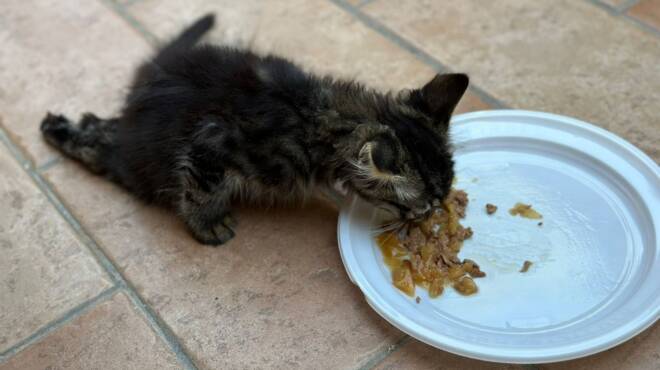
[(595, 281)]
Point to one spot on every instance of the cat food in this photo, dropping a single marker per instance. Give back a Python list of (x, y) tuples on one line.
[(491, 208), (526, 265), (525, 210), (426, 253)]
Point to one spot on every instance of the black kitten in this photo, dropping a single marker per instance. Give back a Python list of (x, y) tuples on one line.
[(204, 126)]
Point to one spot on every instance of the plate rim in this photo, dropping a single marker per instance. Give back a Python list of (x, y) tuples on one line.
[(481, 352)]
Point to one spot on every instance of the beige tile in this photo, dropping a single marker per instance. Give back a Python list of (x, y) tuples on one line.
[(70, 57), (44, 270), (567, 57), (110, 336), (415, 355), (648, 11), (276, 296), (316, 34), (640, 353)]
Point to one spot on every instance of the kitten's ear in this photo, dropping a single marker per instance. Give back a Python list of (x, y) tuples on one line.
[(378, 157), (441, 95)]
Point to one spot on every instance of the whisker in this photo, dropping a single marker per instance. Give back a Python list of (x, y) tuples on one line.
[(387, 227)]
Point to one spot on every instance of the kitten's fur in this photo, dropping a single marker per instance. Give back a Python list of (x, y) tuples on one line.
[(206, 125)]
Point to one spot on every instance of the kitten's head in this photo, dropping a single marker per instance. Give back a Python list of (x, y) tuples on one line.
[(407, 166)]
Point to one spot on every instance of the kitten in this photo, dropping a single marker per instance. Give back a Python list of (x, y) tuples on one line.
[(205, 126)]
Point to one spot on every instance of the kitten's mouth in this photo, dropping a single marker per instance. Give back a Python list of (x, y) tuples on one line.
[(420, 213), (402, 221)]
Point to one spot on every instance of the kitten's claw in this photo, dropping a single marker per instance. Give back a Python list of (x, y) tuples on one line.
[(230, 221), (214, 236), (222, 234)]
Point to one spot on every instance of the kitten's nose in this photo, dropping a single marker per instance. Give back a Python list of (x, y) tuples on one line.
[(421, 213)]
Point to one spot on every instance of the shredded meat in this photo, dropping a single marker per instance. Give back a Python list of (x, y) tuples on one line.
[(526, 265), (427, 252), (491, 208)]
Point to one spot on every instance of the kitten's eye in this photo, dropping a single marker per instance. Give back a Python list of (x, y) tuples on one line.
[(398, 206)]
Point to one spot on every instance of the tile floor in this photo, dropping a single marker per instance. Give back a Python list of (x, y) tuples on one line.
[(92, 279)]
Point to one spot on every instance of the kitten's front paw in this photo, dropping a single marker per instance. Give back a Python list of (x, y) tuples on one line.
[(216, 235)]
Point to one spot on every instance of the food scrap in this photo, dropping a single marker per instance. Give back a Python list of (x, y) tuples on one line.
[(526, 265), (540, 224), (426, 253), (525, 210), (491, 208), (417, 299)]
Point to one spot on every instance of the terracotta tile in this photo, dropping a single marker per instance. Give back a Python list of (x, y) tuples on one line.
[(416, 355), (68, 57), (567, 57), (44, 270), (110, 336), (470, 102), (615, 3), (277, 295), (316, 34), (648, 11), (640, 353)]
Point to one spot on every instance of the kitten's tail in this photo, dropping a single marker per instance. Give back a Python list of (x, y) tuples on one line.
[(189, 37)]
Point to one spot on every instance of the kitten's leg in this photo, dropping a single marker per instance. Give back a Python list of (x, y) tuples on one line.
[(87, 142), (205, 209)]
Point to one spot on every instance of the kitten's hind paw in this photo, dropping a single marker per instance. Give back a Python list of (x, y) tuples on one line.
[(216, 235), (89, 120), (56, 129)]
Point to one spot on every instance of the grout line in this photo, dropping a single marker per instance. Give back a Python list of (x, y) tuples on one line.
[(377, 358), (102, 259), (627, 5), (156, 323), (364, 2), (96, 251), (622, 15), (161, 328), (641, 24), (14, 150), (48, 164), (71, 315), (411, 48), (606, 7), (127, 3), (132, 22)]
